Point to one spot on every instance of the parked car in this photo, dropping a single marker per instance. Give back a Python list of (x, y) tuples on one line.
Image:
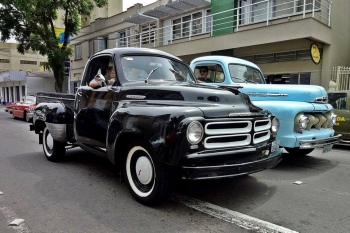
[(156, 123), (9, 106), (305, 115), (25, 108), (340, 100)]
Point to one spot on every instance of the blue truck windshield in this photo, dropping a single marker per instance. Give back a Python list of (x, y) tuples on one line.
[(245, 74)]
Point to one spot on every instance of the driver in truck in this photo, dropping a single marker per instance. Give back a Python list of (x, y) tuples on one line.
[(109, 75)]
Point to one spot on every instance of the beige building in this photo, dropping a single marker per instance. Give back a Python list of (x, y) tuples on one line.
[(14, 71), (275, 34)]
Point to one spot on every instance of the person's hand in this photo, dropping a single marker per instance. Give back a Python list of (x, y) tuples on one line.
[(111, 81)]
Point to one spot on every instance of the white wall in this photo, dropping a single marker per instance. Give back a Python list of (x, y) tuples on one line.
[(38, 84)]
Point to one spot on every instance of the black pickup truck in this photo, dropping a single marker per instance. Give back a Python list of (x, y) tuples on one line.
[(156, 123)]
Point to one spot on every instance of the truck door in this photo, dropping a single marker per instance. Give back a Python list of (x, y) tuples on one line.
[(93, 104), (341, 105)]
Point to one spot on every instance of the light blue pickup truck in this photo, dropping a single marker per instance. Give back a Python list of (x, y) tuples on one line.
[(306, 118)]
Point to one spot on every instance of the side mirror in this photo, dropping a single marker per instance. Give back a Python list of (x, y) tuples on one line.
[(101, 80)]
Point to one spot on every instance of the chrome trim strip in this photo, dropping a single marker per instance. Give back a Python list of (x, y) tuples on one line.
[(228, 152), (214, 145), (263, 138), (265, 94), (262, 127), (228, 130)]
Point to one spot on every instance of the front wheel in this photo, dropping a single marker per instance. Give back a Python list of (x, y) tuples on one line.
[(148, 180), (298, 151), (27, 117), (53, 150)]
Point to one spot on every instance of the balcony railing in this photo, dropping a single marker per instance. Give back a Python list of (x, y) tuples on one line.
[(246, 16)]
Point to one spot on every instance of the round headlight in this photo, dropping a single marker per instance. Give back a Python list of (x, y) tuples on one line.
[(194, 132), (300, 122), (333, 119), (275, 125)]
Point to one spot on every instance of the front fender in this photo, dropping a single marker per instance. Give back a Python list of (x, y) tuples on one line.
[(162, 127)]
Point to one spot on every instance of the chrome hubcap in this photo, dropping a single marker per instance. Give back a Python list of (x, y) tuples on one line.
[(49, 141), (144, 171)]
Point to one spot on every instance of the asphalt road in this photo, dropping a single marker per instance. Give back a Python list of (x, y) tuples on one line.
[(83, 194)]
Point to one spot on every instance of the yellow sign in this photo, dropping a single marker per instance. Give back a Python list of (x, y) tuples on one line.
[(315, 53), (60, 35), (340, 118)]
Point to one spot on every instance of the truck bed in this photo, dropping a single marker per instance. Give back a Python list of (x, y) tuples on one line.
[(53, 97)]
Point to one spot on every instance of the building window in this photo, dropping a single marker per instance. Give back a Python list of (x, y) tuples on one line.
[(4, 60), (193, 24), (252, 11), (23, 90), (78, 52), (122, 39), (91, 48), (208, 20), (148, 33), (102, 43), (28, 62)]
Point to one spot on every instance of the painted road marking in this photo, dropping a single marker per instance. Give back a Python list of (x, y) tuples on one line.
[(231, 216)]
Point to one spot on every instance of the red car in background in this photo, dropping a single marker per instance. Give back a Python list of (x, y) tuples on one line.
[(8, 107), (25, 108)]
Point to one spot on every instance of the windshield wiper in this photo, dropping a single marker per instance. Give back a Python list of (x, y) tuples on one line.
[(146, 80), (178, 74)]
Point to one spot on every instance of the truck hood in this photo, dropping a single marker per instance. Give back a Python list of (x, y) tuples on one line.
[(213, 101), (277, 92)]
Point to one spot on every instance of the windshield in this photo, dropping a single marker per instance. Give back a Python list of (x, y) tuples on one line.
[(150, 68), (29, 100), (245, 74)]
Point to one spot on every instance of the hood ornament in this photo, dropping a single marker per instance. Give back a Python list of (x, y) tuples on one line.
[(322, 99), (243, 114)]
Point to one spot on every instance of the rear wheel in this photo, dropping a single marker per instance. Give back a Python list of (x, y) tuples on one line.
[(53, 150), (148, 180), (298, 151)]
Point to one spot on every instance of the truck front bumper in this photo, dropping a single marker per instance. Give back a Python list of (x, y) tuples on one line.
[(229, 164), (319, 143)]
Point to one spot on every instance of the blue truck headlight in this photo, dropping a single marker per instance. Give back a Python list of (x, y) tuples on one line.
[(300, 122), (195, 132), (333, 120), (275, 125)]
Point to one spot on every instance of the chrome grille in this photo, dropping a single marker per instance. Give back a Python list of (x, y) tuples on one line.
[(260, 125), (236, 133), (323, 120)]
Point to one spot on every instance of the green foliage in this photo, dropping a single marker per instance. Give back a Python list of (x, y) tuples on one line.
[(31, 23)]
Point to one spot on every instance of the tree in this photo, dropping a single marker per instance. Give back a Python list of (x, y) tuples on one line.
[(31, 23)]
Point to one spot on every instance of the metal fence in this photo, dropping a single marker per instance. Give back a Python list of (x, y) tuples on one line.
[(340, 76), (198, 25)]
